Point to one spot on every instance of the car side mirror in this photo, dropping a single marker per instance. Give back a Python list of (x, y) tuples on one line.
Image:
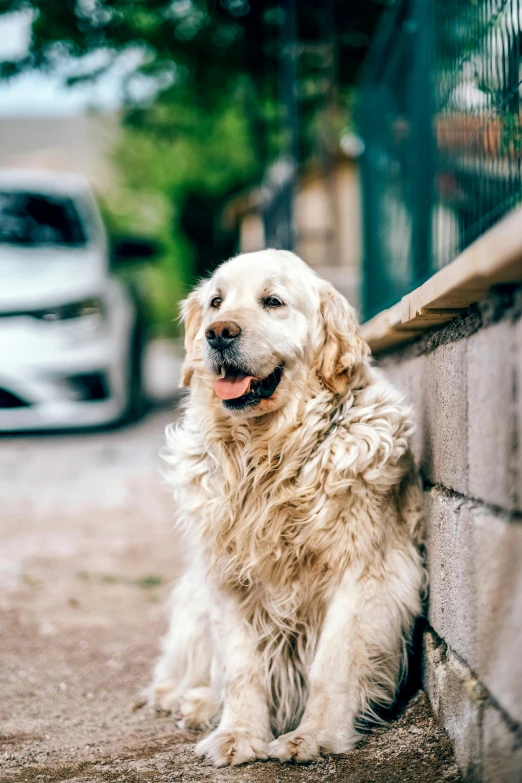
[(129, 249)]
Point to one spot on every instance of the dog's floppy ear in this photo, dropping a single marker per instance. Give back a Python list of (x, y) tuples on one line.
[(191, 315), (341, 350)]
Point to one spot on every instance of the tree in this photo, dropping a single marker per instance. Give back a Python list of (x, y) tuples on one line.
[(204, 47), (214, 118)]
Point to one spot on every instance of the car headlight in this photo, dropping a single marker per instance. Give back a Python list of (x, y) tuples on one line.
[(84, 309)]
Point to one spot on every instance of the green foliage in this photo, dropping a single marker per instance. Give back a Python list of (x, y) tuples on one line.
[(215, 120), (179, 145), (164, 155)]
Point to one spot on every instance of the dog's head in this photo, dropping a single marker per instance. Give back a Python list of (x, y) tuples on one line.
[(261, 324)]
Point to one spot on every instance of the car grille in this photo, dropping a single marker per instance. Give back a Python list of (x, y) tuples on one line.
[(9, 400)]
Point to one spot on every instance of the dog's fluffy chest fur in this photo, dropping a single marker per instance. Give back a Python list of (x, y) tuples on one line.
[(260, 517), (279, 516)]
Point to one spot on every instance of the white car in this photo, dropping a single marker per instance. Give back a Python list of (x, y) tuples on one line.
[(70, 331)]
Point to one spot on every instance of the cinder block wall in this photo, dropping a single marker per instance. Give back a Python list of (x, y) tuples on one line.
[(465, 383)]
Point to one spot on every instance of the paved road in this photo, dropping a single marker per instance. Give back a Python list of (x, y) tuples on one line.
[(86, 557)]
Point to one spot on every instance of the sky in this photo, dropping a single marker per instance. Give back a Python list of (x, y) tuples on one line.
[(39, 94)]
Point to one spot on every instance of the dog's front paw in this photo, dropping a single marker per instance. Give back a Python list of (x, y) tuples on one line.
[(232, 746), (306, 744), (295, 746)]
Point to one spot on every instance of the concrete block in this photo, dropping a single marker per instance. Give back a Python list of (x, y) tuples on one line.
[(457, 705), (414, 372), (436, 386), (450, 548), (491, 433), (498, 576), (394, 372), (502, 749), (518, 412), (444, 420), (475, 600), (408, 376)]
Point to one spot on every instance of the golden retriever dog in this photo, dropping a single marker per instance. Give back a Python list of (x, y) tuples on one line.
[(300, 504)]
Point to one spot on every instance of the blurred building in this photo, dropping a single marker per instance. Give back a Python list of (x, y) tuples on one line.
[(79, 143), (326, 216)]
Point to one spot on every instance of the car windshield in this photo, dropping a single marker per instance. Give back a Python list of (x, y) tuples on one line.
[(39, 219)]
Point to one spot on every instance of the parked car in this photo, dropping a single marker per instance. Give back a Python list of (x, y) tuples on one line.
[(71, 333)]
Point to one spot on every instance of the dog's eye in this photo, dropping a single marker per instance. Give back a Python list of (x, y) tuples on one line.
[(215, 301), (272, 301)]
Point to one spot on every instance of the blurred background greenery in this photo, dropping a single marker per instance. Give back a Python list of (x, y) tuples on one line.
[(211, 94)]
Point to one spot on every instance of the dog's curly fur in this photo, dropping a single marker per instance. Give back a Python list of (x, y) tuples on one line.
[(302, 517)]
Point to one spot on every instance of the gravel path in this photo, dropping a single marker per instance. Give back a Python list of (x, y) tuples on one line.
[(86, 558)]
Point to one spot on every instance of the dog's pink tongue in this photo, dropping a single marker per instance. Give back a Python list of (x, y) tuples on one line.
[(232, 386)]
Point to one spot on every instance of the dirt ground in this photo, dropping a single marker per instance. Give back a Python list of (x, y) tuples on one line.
[(86, 558)]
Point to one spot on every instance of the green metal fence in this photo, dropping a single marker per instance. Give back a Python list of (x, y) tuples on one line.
[(440, 114)]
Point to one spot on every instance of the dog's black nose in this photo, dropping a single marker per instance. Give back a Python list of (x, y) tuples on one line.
[(221, 334)]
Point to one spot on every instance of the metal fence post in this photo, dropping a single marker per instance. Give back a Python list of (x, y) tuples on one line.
[(278, 212), (422, 125)]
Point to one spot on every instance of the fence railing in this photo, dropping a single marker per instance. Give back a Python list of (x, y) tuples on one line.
[(278, 193), (440, 114)]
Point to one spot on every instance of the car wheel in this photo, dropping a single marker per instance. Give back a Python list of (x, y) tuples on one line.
[(136, 403)]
